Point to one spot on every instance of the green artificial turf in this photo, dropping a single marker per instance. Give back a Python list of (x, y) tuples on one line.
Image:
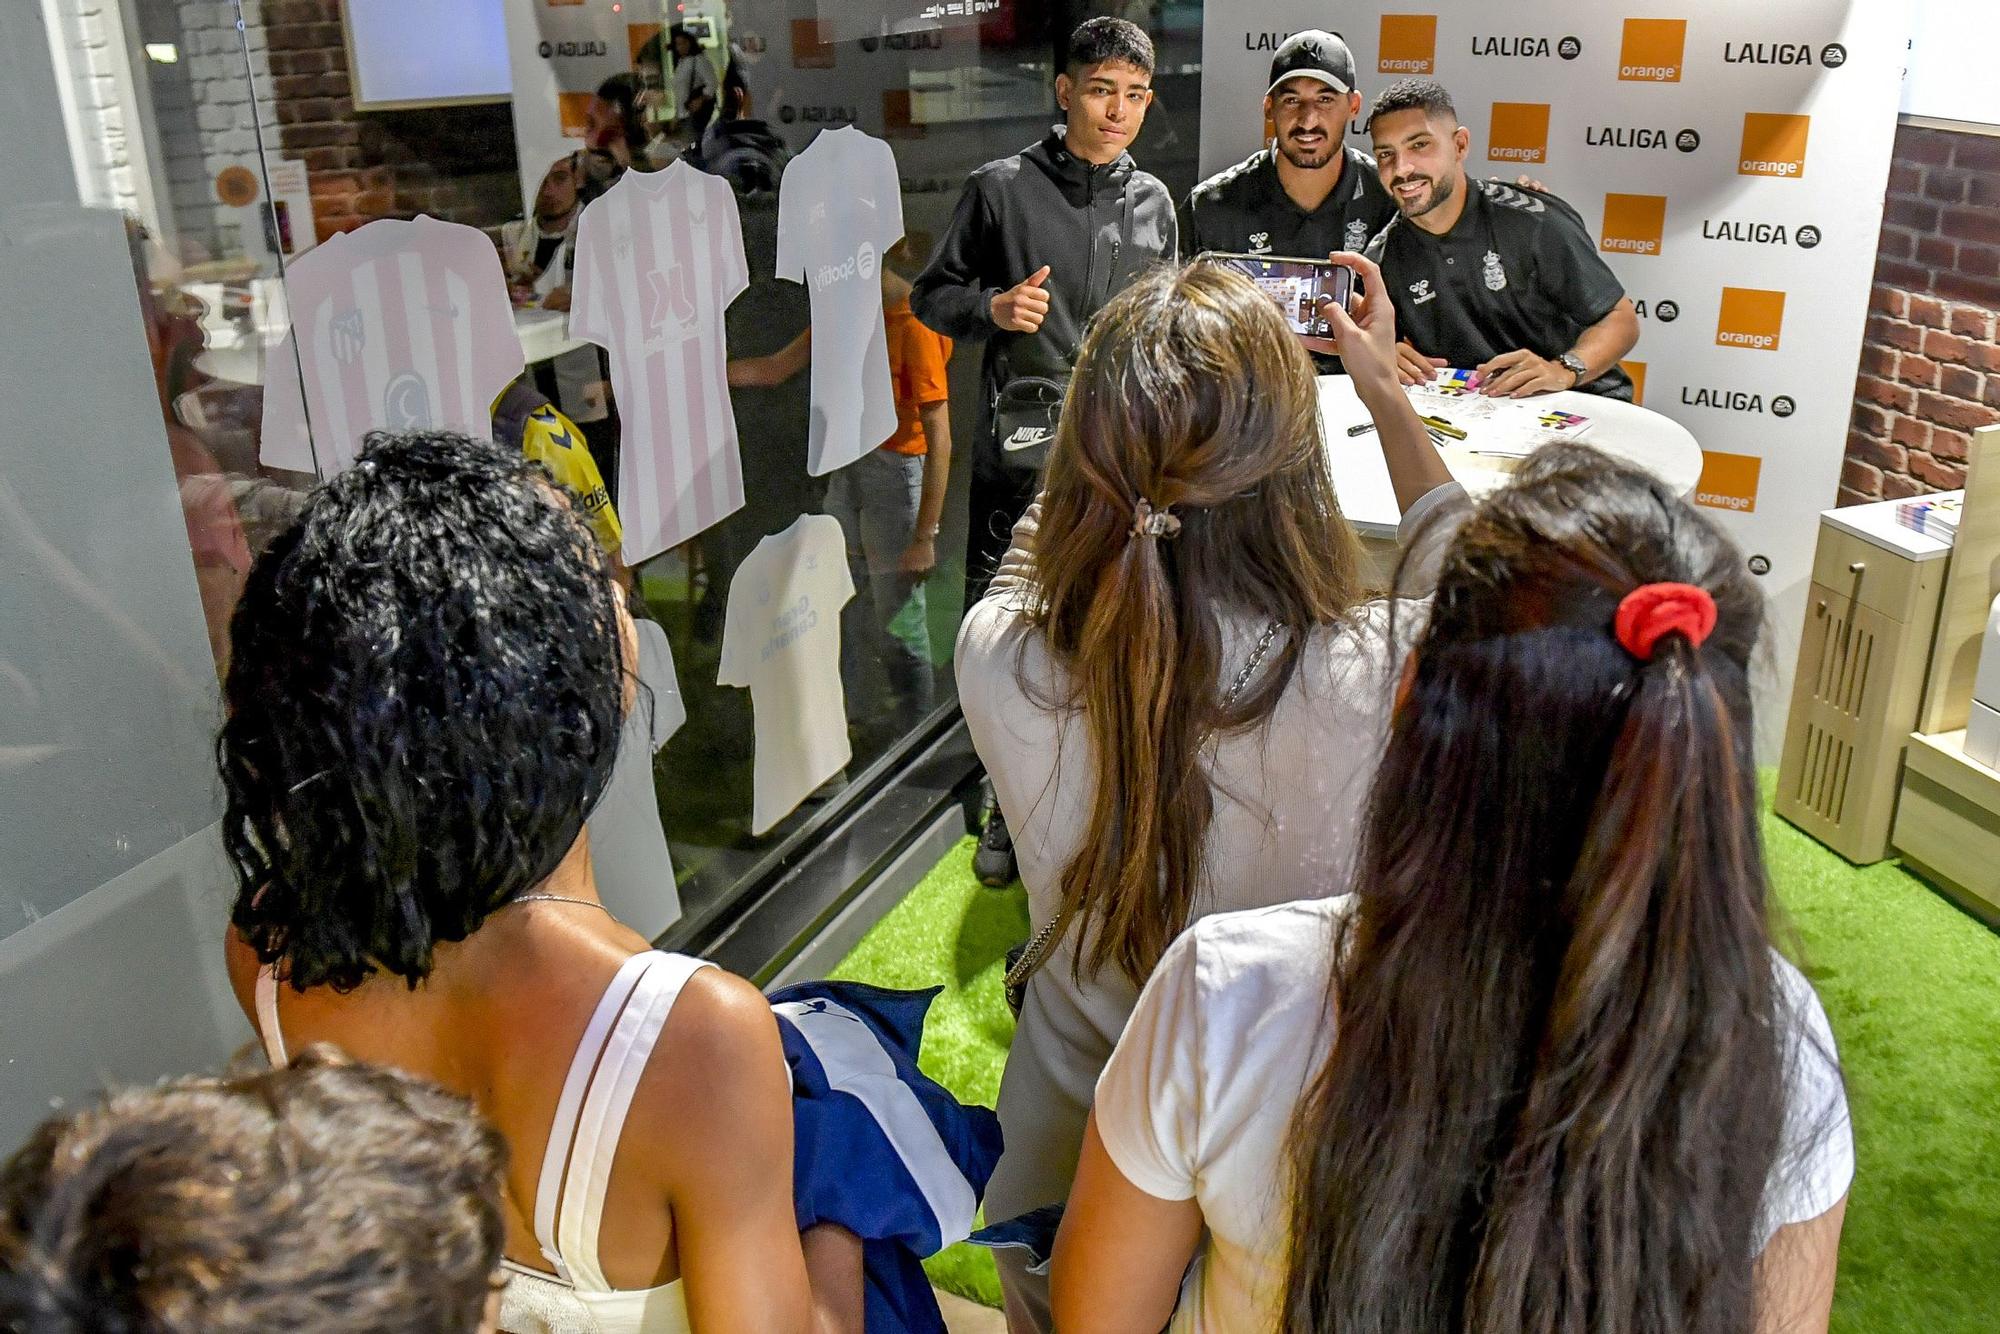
[(1910, 983)]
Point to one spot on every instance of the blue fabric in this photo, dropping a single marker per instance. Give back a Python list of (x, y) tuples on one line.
[(851, 1108), (1032, 1233)]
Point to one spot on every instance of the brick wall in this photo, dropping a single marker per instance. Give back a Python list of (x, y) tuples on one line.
[(455, 163), (89, 33), (1930, 365)]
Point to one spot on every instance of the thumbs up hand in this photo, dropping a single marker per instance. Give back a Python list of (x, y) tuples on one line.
[(1022, 308)]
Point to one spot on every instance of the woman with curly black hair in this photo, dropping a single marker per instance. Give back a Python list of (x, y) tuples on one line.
[(429, 678)]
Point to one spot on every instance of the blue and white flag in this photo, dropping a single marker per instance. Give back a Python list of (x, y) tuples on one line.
[(880, 1147)]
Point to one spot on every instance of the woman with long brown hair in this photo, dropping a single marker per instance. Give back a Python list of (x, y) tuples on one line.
[(1542, 1072), (1174, 681)]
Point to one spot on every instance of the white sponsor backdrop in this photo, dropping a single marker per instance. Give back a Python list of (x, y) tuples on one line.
[(1781, 410)]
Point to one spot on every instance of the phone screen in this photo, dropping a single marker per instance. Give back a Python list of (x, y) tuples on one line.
[(1299, 286)]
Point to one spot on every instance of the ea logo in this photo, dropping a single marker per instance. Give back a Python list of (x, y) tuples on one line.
[(1760, 566), (864, 261), (1569, 48), (1807, 237), (1833, 55), (788, 113), (1687, 141), (1783, 406), (1668, 311), (871, 44), (545, 50)]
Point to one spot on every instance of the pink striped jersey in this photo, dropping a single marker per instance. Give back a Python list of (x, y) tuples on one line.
[(840, 210), (658, 260), (399, 326)]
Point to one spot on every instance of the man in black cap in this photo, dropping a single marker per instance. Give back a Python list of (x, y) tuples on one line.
[(1489, 277), (1307, 194)]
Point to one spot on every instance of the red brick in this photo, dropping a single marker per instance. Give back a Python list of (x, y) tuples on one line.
[(1960, 382), (1942, 186), (1942, 476), (1937, 251), (1944, 347), (1975, 152), (1983, 191), (1896, 334), (1896, 243), (1893, 396), (318, 136), (1965, 287), (1901, 273), (1876, 360), (1972, 322), (335, 83), (1971, 224), (1846, 497), (1889, 300), (1911, 432), (1897, 486), (1986, 356), (291, 87), (1978, 261), (1862, 477), (1993, 391), (1956, 413), (1926, 310), (1919, 371), (1870, 420), (1911, 213), (1929, 148), (1889, 458), (375, 201), (1949, 445), (334, 182), (1905, 178)]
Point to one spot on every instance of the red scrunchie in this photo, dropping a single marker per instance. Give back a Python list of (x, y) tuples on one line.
[(1650, 612)]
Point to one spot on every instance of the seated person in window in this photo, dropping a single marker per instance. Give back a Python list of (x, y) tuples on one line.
[(536, 251), (1485, 276)]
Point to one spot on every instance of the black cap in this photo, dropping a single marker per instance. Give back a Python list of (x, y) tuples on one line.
[(1314, 54)]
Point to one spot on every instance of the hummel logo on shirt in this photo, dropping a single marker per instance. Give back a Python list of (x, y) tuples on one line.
[(1421, 290)]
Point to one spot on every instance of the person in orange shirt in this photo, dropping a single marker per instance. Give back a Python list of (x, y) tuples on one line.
[(889, 503)]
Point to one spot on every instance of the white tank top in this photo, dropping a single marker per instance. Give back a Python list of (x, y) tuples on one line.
[(576, 1167)]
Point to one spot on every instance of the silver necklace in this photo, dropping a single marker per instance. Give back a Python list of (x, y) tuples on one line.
[(1250, 667), (552, 898)]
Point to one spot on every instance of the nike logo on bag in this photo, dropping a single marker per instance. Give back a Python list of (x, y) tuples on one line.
[(1028, 436)]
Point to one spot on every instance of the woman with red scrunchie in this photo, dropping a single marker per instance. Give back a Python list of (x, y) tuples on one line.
[(1542, 1068)]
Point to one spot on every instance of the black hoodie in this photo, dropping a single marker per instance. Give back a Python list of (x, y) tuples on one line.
[(1043, 205)]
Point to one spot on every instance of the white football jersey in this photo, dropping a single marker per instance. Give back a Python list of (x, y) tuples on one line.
[(658, 260), (840, 210)]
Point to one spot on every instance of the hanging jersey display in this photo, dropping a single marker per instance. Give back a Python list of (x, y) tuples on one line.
[(840, 210), (400, 326), (628, 846), (658, 260), (781, 641)]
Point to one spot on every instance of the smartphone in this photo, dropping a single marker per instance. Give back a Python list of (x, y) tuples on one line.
[(1299, 286)]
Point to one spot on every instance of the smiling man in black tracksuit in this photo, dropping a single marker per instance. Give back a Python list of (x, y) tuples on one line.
[(1039, 243)]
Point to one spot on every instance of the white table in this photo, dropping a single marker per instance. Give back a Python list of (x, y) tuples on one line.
[(1660, 445), (233, 354)]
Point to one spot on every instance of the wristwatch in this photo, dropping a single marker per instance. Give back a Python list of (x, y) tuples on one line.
[(1577, 366)]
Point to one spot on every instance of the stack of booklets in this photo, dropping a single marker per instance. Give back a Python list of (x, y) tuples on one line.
[(1934, 516)]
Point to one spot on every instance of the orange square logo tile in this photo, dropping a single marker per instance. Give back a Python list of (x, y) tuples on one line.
[(637, 35), (1653, 51), (1728, 481), (574, 110), (1633, 224), (1637, 370), (812, 44), (1409, 44), (1773, 145), (1519, 133), (1751, 317)]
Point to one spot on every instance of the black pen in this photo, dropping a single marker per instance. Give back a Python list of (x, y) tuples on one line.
[(1362, 429)]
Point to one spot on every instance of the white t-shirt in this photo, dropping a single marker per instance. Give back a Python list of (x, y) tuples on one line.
[(628, 845), (658, 260), (781, 639), (399, 326), (840, 209), (1198, 1098)]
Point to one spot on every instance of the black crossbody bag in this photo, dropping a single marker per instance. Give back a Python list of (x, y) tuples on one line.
[(1027, 408)]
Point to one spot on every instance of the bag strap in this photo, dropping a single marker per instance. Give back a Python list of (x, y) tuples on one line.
[(1045, 940)]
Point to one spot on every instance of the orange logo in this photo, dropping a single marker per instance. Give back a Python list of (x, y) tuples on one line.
[(1653, 50), (574, 109), (1728, 481), (812, 44), (1773, 145), (1634, 224), (1637, 370), (1750, 317), (637, 35), (1519, 133), (1409, 44)]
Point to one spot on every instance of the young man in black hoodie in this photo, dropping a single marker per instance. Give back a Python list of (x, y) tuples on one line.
[(1039, 243)]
